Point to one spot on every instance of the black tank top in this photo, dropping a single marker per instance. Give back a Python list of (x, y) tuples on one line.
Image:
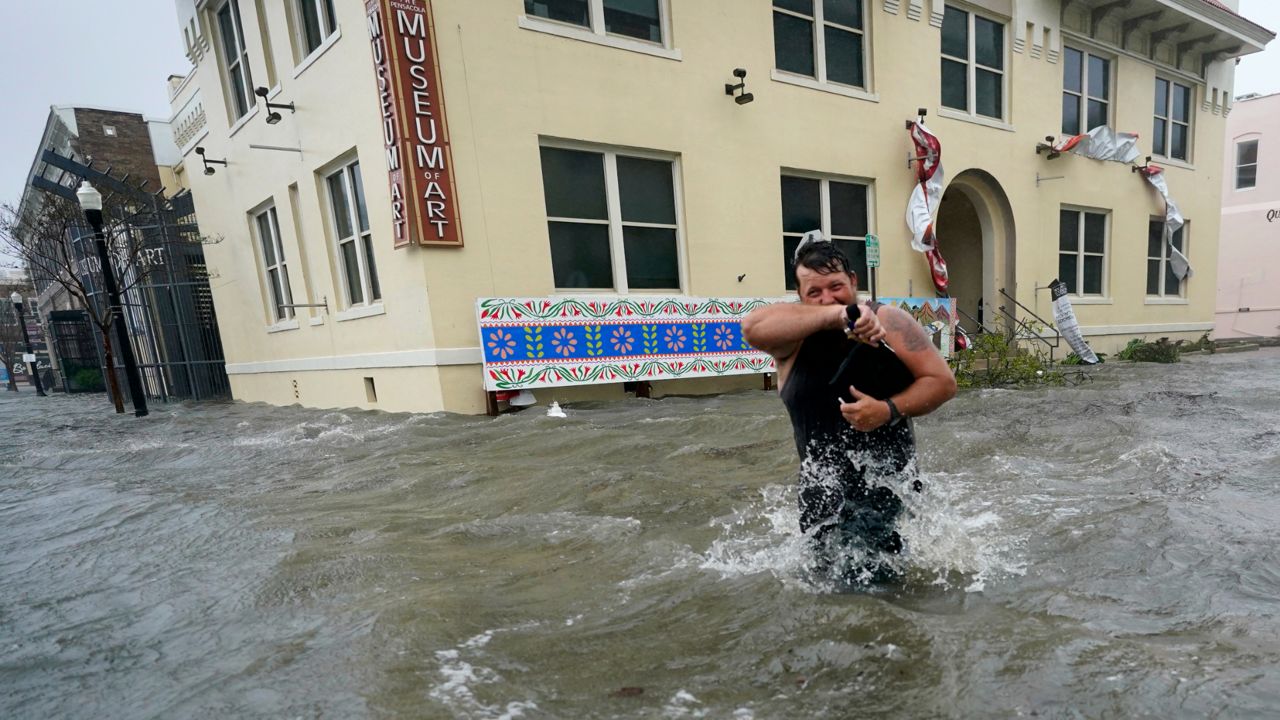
[(811, 395)]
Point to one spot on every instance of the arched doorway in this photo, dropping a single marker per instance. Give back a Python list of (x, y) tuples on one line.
[(976, 234)]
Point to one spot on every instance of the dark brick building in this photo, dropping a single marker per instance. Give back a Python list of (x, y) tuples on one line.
[(119, 139)]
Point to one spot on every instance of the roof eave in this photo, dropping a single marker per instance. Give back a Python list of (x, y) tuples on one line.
[(1250, 36)]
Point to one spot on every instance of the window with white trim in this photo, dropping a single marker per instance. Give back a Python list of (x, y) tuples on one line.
[(235, 59), (1161, 282), (839, 208), (349, 220), (316, 23), (275, 270), (1172, 132), (973, 76), (612, 220), (635, 19), (1086, 91), (1246, 164), (1082, 251), (821, 39)]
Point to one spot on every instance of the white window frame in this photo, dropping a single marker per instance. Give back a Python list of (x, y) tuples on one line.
[(824, 210), (1257, 148), (972, 67), (329, 29), (236, 65), (280, 282), (613, 204), (1169, 122), (595, 31), (1080, 253), (1165, 254), (818, 25), (1084, 96), (363, 239)]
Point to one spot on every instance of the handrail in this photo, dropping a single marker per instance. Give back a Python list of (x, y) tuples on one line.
[(1024, 330), (1028, 311), (982, 327)]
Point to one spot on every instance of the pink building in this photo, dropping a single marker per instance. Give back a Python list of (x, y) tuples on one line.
[(1249, 251)]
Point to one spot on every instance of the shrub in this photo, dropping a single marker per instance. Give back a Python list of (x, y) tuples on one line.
[(1074, 359), (88, 379), (1161, 351), (1006, 363), (1204, 343)]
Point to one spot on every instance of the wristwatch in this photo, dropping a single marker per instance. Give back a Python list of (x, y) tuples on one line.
[(895, 417)]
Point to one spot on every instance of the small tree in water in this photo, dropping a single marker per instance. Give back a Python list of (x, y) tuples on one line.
[(995, 360), (53, 240)]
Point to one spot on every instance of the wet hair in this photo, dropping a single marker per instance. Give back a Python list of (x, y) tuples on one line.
[(822, 257)]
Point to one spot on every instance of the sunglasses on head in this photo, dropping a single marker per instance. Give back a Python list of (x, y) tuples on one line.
[(810, 238)]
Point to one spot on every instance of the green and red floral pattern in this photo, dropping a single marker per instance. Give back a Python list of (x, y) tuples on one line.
[(548, 342)]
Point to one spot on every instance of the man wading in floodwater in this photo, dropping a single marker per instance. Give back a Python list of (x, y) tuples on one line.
[(850, 398)]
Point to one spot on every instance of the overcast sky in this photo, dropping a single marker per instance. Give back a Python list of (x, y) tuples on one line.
[(117, 54)]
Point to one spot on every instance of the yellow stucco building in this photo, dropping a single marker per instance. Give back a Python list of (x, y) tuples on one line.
[(591, 146)]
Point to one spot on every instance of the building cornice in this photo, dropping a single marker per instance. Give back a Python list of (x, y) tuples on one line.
[(1223, 20)]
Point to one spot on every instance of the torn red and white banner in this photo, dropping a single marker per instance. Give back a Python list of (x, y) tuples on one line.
[(922, 207), (1065, 319), (1173, 221), (1103, 143)]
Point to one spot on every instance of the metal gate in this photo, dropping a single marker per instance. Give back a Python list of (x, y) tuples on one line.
[(168, 308), (77, 351)]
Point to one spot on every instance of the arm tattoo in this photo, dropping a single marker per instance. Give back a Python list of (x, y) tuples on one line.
[(912, 333)]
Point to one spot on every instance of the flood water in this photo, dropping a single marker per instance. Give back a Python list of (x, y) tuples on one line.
[(1102, 551)]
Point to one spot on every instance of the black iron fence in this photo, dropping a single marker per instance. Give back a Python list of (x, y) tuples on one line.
[(168, 305)]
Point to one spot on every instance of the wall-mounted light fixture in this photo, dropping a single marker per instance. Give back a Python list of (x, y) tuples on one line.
[(1143, 167), (1048, 147), (273, 117), (207, 162), (731, 88)]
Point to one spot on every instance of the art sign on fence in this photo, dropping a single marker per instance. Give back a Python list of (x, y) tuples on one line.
[(549, 342), (559, 341)]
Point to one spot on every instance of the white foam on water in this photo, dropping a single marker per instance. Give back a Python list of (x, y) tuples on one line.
[(1154, 458), (683, 705), (559, 526), (516, 710), (946, 533), (460, 677), (763, 537), (479, 641), (686, 450)]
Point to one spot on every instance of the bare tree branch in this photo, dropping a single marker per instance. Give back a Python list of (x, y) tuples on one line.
[(53, 240)]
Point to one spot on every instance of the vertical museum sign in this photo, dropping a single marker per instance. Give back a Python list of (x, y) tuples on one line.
[(424, 205)]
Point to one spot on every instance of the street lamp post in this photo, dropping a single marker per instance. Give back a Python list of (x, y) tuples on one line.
[(32, 366), (91, 203)]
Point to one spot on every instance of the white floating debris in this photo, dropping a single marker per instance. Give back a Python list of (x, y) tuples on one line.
[(555, 411)]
